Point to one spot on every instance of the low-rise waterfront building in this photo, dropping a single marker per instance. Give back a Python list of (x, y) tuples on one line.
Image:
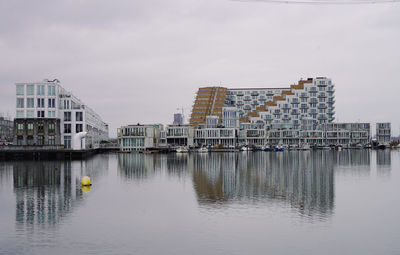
[(383, 133), (139, 137), (179, 135), (214, 136)]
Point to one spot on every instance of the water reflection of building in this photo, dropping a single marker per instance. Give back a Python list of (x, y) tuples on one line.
[(136, 166), (383, 158), (47, 191), (352, 158), (306, 180), (383, 163)]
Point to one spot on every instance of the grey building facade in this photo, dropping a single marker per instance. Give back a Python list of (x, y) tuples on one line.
[(37, 132), (6, 130)]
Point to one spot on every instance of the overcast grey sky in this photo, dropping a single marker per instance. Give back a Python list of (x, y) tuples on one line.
[(137, 61)]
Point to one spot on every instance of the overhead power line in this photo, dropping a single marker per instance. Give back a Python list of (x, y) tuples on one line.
[(322, 2)]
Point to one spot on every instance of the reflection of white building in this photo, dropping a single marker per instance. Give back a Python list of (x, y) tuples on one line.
[(49, 100)]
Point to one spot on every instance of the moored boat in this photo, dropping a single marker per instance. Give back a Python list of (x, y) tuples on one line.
[(182, 150), (266, 148), (304, 147), (202, 150)]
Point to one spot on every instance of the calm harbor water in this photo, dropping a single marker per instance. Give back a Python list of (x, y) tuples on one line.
[(318, 202)]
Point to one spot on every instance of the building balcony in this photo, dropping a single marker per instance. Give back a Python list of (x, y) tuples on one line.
[(304, 106), (295, 113), (322, 117), (254, 93), (247, 99), (286, 117), (295, 102), (313, 101), (240, 93), (286, 106), (303, 95), (254, 103), (322, 84), (322, 95), (330, 90), (322, 106)]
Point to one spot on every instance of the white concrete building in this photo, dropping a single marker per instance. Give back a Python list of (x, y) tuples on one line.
[(285, 108), (80, 128), (383, 133), (179, 135), (140, 137)]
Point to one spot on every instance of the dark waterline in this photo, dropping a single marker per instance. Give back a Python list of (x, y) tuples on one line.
[(319, 202)]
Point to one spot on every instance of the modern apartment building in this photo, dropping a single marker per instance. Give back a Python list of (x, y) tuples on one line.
[(139, 137), (48, 114), (383, 133), (278, 108), (209, 101)]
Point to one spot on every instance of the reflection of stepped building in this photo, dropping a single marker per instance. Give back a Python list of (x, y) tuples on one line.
[(48, 191), (352, 158), (293, 177)]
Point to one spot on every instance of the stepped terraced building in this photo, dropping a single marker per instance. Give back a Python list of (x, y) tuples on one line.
[(310, 102)]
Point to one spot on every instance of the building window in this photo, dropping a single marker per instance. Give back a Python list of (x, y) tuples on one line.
[(30, 103), (20, 114), (67, 116), (30, 90), (79, 116), (40, 140), (52, 140), (20, 140), (51, 114), (20, 102), (30, 127), (67, 128), (20, 90), (30, 114), (52, 128), (20, 127), (67, 142), (40, 103), (40, 90), (51, 90), (51, 103), (30, 140), (40, 128), (40, 114), (66, 104), (78, 128)]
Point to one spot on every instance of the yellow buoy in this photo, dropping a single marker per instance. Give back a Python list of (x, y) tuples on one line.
[(85, 181), (85, 189)]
